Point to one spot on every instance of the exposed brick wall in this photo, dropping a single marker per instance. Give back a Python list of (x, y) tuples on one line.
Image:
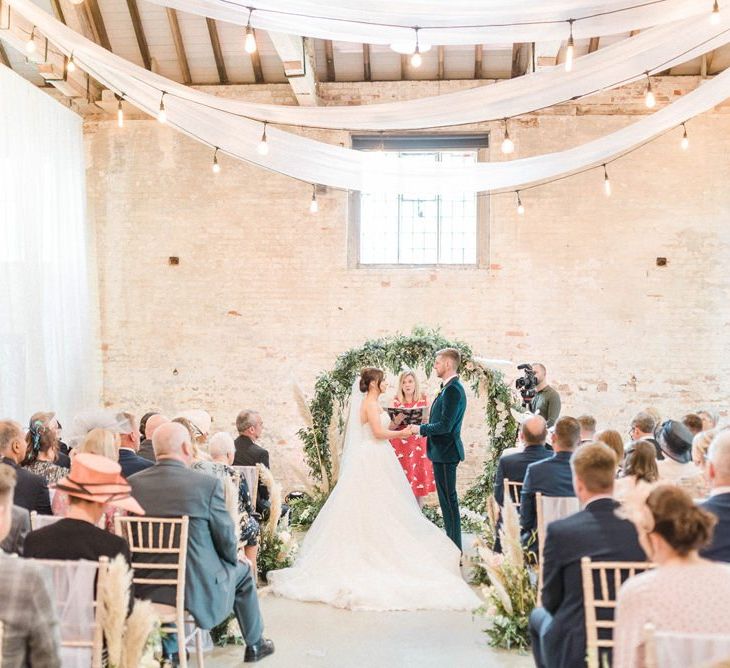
[(263, 293)]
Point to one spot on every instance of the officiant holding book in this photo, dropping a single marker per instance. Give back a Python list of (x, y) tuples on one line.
[(411, 407)]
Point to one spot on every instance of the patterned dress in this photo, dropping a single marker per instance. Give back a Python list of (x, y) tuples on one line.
[(411, 453)]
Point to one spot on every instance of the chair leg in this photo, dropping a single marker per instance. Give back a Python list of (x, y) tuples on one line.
[(199, 648), (182, 650)]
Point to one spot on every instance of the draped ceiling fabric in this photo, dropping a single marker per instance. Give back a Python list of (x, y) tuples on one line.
[(318, 162), (472, 22)]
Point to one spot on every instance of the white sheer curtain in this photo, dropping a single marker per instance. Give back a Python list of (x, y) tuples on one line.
[(47, 341)]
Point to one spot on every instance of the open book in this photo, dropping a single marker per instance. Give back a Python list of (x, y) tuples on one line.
[(411, 415)]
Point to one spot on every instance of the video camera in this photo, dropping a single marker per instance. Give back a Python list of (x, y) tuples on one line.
[(526, 384)]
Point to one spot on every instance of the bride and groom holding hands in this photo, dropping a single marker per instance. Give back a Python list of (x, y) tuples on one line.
[(371, 548)]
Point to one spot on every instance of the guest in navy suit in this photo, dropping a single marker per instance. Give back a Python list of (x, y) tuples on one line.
[(129, 460), (533, 434), (718, 504), (558, 628), (551, 476)]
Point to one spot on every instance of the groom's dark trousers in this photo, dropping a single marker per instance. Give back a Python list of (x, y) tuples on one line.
[(446, 450)]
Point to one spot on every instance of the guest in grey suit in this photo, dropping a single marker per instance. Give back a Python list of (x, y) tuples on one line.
[(216, 581), (31, 635), (19, 528)]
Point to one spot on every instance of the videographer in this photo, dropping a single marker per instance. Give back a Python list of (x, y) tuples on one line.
[(547, 400)]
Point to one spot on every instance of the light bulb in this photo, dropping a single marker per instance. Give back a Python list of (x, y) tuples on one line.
[(570, 51), (520, 209), (120, 115), (416, 58), (508, 146), (313, 205), (715, 16), (263, 147), (30, 45), (249, 43), (606, 182), (162, 114), (71, 65), (685, 139), (649, 98), (77, 2)]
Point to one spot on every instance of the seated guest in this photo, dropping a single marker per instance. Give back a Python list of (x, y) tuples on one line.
[(200, 453), (700, 446), (642, 429), (222, 451), (684, 593), (145, 448), (49, 422), (587, 428), (201, 421), (533, 434), (675, 441), (614, 441), (216, 582), (709, 419), (693, 422), (31, 491), (640, 472), (557, 628), (718, 471), (19, 528), (551, 476), (248, 453), (129, 460), (93, 483), (31, 634), (42, 449), (143, 425)]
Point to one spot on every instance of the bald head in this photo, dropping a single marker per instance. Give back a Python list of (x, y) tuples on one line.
[(719, 458), (172, 441), (534, 431), (153, 422)]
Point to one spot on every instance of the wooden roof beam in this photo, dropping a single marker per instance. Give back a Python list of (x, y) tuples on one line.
[(215, 44), (441, 57), (296, 55), (593, 44), (520, 58), (91, 7), (4, 57), (367, 70), (329, 53), (478, 60), (144, 49), (182, 58), (258, 73)]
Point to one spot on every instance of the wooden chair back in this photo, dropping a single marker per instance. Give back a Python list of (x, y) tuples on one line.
[(601, 582), (514, 491), (671, 649), (39, 521)]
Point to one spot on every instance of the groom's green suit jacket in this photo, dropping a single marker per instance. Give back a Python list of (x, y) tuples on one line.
[(443, 431)]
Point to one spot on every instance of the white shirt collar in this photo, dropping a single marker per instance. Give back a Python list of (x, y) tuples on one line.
[(446, 380), (725, 489)]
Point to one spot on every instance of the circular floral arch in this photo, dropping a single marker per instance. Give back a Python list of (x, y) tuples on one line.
[(394, 353)]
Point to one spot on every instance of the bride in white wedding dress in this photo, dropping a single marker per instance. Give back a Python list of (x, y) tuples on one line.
[(370, 547)]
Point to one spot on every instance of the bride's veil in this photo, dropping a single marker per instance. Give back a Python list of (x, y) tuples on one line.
[(353, 428)]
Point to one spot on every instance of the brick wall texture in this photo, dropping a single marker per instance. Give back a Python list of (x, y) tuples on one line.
[(264, 294)]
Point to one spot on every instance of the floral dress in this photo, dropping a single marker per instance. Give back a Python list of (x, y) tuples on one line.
[(411, 453)]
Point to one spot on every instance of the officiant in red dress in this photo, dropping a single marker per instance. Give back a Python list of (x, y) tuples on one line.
[(411, 450)]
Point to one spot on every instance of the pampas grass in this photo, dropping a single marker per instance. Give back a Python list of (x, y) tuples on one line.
[(114, 587), (306, 415), (334, 438), (141, 624), (274, 495), (510, 534)]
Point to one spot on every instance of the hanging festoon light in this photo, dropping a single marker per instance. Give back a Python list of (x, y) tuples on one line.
[(685, 139), (715, 15), (30, 44), (570, 50), (71, 65), (649, 98), (520, 206), (417, 58), (508, 146), (249, 43), (313, 205), (606, 182), (120, 114), (216, 165), (263, 146), (162, 114)]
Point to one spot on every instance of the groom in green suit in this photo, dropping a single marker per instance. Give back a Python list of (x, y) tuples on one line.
[(443, 433)]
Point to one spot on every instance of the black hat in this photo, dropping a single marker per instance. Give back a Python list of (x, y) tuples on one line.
[(675, 440)]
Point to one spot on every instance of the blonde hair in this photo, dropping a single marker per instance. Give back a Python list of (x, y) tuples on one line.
[(700, 446), (100, 442), (400, 395), (197, 446), (595, 465)]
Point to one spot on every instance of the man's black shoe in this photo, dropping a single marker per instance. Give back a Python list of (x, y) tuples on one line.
[(258, 651)]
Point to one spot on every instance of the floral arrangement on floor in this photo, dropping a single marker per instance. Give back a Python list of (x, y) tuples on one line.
[(471, 522), (323, 435), (304, 509), (509, 593)]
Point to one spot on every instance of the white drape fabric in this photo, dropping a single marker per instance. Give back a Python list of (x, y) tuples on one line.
[(353, 429), (387, 22), (651, 51), (47, 341)]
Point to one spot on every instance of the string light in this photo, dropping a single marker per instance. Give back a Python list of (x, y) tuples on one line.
[(120, 114), (216, 166), (649, 98), (30, 44), (263, 147), (715, 16), (570, 50), (71, 65), (416, 58), (77, 2), (313, 205), (685, 139), (606, 182), (508, 146), (249, 43), (162, 114), (520, 206)]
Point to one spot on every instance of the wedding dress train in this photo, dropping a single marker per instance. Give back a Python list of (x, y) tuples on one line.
[(370, 547)]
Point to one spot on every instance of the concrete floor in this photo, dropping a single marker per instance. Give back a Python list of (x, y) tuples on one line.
[(313, 635)]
